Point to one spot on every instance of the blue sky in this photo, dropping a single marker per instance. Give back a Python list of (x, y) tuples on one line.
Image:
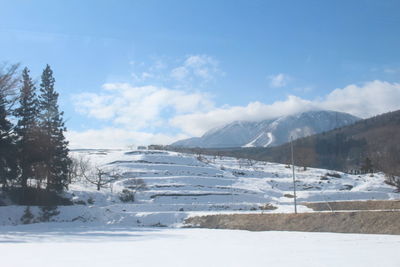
[(139, 72)]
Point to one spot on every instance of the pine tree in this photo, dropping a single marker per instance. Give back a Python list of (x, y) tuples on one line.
[(27, 129), (53, 143)]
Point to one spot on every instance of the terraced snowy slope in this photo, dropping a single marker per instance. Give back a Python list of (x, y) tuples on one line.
[(180, 185)]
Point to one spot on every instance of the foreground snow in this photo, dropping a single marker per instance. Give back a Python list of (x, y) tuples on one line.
[(71, 244)]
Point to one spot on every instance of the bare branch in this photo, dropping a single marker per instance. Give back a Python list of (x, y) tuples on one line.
[(97, 175), (9, 81)]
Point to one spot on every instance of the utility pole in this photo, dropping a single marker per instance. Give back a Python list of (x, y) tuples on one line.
[(294, 178)]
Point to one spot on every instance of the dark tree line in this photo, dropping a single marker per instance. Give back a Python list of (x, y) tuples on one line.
[(33, 148)]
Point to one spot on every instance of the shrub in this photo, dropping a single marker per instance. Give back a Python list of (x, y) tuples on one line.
[(47, 212), (268, 206), (90, 200), (333, 174), (127, 196), (79, 202), (27, 217), (133, 185), (346, 187)]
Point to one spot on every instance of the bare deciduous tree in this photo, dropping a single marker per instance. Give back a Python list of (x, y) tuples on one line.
[(75, 168), (9, 80), (102, 178), (242, 162), (96, 175), (393, 180)]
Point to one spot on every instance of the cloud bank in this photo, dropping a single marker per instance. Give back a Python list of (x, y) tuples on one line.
[(116, 138), (153, 114), (140, 107), (364, 101)]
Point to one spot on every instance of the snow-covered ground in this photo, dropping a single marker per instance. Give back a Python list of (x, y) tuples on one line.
[(73, 244), (181, 185)]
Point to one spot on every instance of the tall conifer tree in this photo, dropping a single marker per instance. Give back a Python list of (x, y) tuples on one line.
[(27, 128), (53, 144)]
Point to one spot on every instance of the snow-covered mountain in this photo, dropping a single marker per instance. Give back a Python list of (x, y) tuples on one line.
[(270, 132)]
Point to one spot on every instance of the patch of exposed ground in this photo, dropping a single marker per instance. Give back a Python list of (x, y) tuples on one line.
[(354, 205), (366, 222)]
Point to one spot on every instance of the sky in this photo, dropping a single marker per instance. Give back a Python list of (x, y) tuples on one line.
[(152, 72)]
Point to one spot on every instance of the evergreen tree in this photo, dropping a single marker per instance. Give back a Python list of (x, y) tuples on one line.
[(27, 128), (53, 144)]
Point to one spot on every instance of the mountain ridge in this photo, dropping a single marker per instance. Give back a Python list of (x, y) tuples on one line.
[(269, 132), (344, 149)]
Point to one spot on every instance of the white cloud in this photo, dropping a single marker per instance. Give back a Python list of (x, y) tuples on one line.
[(134, 113), (193, 71), (116, 138), (370, 99), (139, 107), (144, 73), (143, 76), (179, 73), (201, 67), (278, 80), (367, 100), (94, 105)]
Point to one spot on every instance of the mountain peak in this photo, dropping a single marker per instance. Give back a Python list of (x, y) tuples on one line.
[(270, 132)]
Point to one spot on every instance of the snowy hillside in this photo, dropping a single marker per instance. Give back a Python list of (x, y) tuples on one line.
[(182, 185), (269, 132)]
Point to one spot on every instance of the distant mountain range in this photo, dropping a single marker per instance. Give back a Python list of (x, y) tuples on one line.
[(347, 148), (268, 133)]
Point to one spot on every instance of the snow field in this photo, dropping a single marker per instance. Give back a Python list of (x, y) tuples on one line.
[(181, 185), (69, 244)]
